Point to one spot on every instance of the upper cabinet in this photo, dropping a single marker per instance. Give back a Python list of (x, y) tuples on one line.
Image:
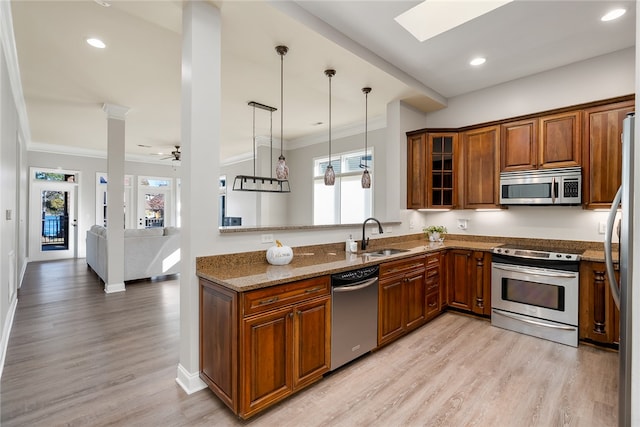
[(480, 159), (540, 143), (416, 171), (431, 170), (460, 168), (602, 153)]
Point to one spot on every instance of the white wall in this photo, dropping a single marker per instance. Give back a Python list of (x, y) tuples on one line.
[(12, 192)]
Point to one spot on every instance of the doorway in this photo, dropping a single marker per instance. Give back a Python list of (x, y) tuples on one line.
[(52, 221), (154, 202)]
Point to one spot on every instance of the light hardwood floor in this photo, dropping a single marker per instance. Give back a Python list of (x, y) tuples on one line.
[(80, 357)]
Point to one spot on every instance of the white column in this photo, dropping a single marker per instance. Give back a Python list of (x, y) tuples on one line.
[(200, 169), (115, 190)]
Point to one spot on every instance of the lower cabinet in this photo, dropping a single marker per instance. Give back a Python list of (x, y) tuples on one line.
[(599, 319), (261, 346), (469, 281), (409, 295)]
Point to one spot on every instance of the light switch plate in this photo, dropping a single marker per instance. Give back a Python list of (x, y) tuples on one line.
[(7, 214), (267, 238), (602, 227)]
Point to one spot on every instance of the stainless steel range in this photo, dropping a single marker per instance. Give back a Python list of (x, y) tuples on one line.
[(536, 292)]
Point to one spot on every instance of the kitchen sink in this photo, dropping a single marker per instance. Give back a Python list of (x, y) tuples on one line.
[(386, 252)]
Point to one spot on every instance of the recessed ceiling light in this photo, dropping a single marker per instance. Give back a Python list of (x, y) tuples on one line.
[(433, 17), (103, 3), (478, 61), (97, 43), (614, 14)]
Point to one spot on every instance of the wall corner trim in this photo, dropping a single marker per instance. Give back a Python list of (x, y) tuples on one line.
[(190, 382), (6, 331)]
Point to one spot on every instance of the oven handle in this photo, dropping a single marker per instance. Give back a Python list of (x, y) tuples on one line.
[(608, 256), (535, 272), (355, 286), (534, 322)]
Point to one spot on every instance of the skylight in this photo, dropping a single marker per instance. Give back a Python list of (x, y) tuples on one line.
[(433, 17)]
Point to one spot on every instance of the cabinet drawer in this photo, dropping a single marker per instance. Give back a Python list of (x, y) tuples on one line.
[(262, 300), (401, 266), (433, 304), (433, 280), (433, 260)]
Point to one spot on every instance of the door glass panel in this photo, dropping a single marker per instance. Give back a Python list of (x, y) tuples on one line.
[(532, 293), (55, 221), (154, 209)]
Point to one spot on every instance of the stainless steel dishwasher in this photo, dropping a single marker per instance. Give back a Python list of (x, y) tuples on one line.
[(354, 316)]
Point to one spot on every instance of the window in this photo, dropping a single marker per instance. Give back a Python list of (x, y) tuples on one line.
[(346, 202)]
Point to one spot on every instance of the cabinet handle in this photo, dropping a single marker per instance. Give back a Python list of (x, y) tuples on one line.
[(299, 313), (268, 301), (291, 315), (433, 305), (316, 289)]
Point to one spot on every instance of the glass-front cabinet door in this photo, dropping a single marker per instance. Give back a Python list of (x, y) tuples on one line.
[(441, 173)]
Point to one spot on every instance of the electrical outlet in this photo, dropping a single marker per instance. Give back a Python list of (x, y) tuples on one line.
[(267, 238), (602, 227), (388, 229), (412, 225)]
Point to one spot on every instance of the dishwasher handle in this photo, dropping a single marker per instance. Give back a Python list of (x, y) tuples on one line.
[(356, 286)]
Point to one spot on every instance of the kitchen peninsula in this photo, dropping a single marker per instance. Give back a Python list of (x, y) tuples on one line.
[(265, 331)]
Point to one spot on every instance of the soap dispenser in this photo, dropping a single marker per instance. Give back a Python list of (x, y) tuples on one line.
[(351, 245)]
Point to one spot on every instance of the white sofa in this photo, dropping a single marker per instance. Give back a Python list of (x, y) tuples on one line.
[(147, 252)]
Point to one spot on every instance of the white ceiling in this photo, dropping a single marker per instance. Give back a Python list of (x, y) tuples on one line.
[(65, 82)]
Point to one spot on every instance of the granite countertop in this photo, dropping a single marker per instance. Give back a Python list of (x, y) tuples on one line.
[(247, 271)]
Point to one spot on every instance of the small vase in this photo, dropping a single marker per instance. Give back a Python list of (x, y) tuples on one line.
[(434, 237)]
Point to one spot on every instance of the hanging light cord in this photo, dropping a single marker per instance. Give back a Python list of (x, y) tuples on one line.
[(330, 75), (271, 143), (366, 105), (281, 99), (254, 140)]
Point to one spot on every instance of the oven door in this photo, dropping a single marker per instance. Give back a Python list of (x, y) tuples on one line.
[(537, 292)]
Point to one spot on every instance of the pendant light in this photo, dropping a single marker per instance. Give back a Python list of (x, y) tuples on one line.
[(262, 184), (282, 170), (366, 177), (329, 174)]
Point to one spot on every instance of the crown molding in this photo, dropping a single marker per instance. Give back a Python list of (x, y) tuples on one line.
[(375, 123), (8, 41), (68, 150)]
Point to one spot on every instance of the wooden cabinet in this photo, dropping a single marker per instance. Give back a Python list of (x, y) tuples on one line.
[(602, 153), (417, 171), (545, 142), (431, 179), (260, 346), (480, 176), (433, 290), (599, 317), (402, 298), (469, 281)]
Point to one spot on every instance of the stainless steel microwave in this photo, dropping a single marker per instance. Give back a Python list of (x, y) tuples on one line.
[(561, 186)]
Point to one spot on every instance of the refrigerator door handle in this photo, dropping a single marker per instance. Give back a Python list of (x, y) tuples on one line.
[(608, 256)]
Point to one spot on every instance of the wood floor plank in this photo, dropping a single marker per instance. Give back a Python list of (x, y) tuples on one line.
[(80, 357)]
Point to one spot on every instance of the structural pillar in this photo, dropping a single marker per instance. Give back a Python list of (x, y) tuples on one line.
[(115, 196), (200, 171)]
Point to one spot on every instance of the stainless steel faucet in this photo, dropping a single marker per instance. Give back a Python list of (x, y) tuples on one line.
[(365, 242)]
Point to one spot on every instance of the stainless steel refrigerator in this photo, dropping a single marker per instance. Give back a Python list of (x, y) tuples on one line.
[(622, 291)]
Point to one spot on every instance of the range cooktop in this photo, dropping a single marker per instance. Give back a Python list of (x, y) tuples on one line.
[(535, 253)]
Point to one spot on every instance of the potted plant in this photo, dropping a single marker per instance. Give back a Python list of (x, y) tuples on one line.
[(435, 233)]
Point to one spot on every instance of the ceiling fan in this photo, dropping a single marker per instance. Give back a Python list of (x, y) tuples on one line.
[(175, 154)]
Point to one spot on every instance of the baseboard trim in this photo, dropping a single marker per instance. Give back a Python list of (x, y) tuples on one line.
[(6, 331), (190, 382), (114, 287)]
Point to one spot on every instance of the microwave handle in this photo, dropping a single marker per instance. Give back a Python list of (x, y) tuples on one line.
[(554, 190)]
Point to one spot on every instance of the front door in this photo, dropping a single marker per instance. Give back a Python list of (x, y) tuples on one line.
[(52, 221), (154, 202)]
